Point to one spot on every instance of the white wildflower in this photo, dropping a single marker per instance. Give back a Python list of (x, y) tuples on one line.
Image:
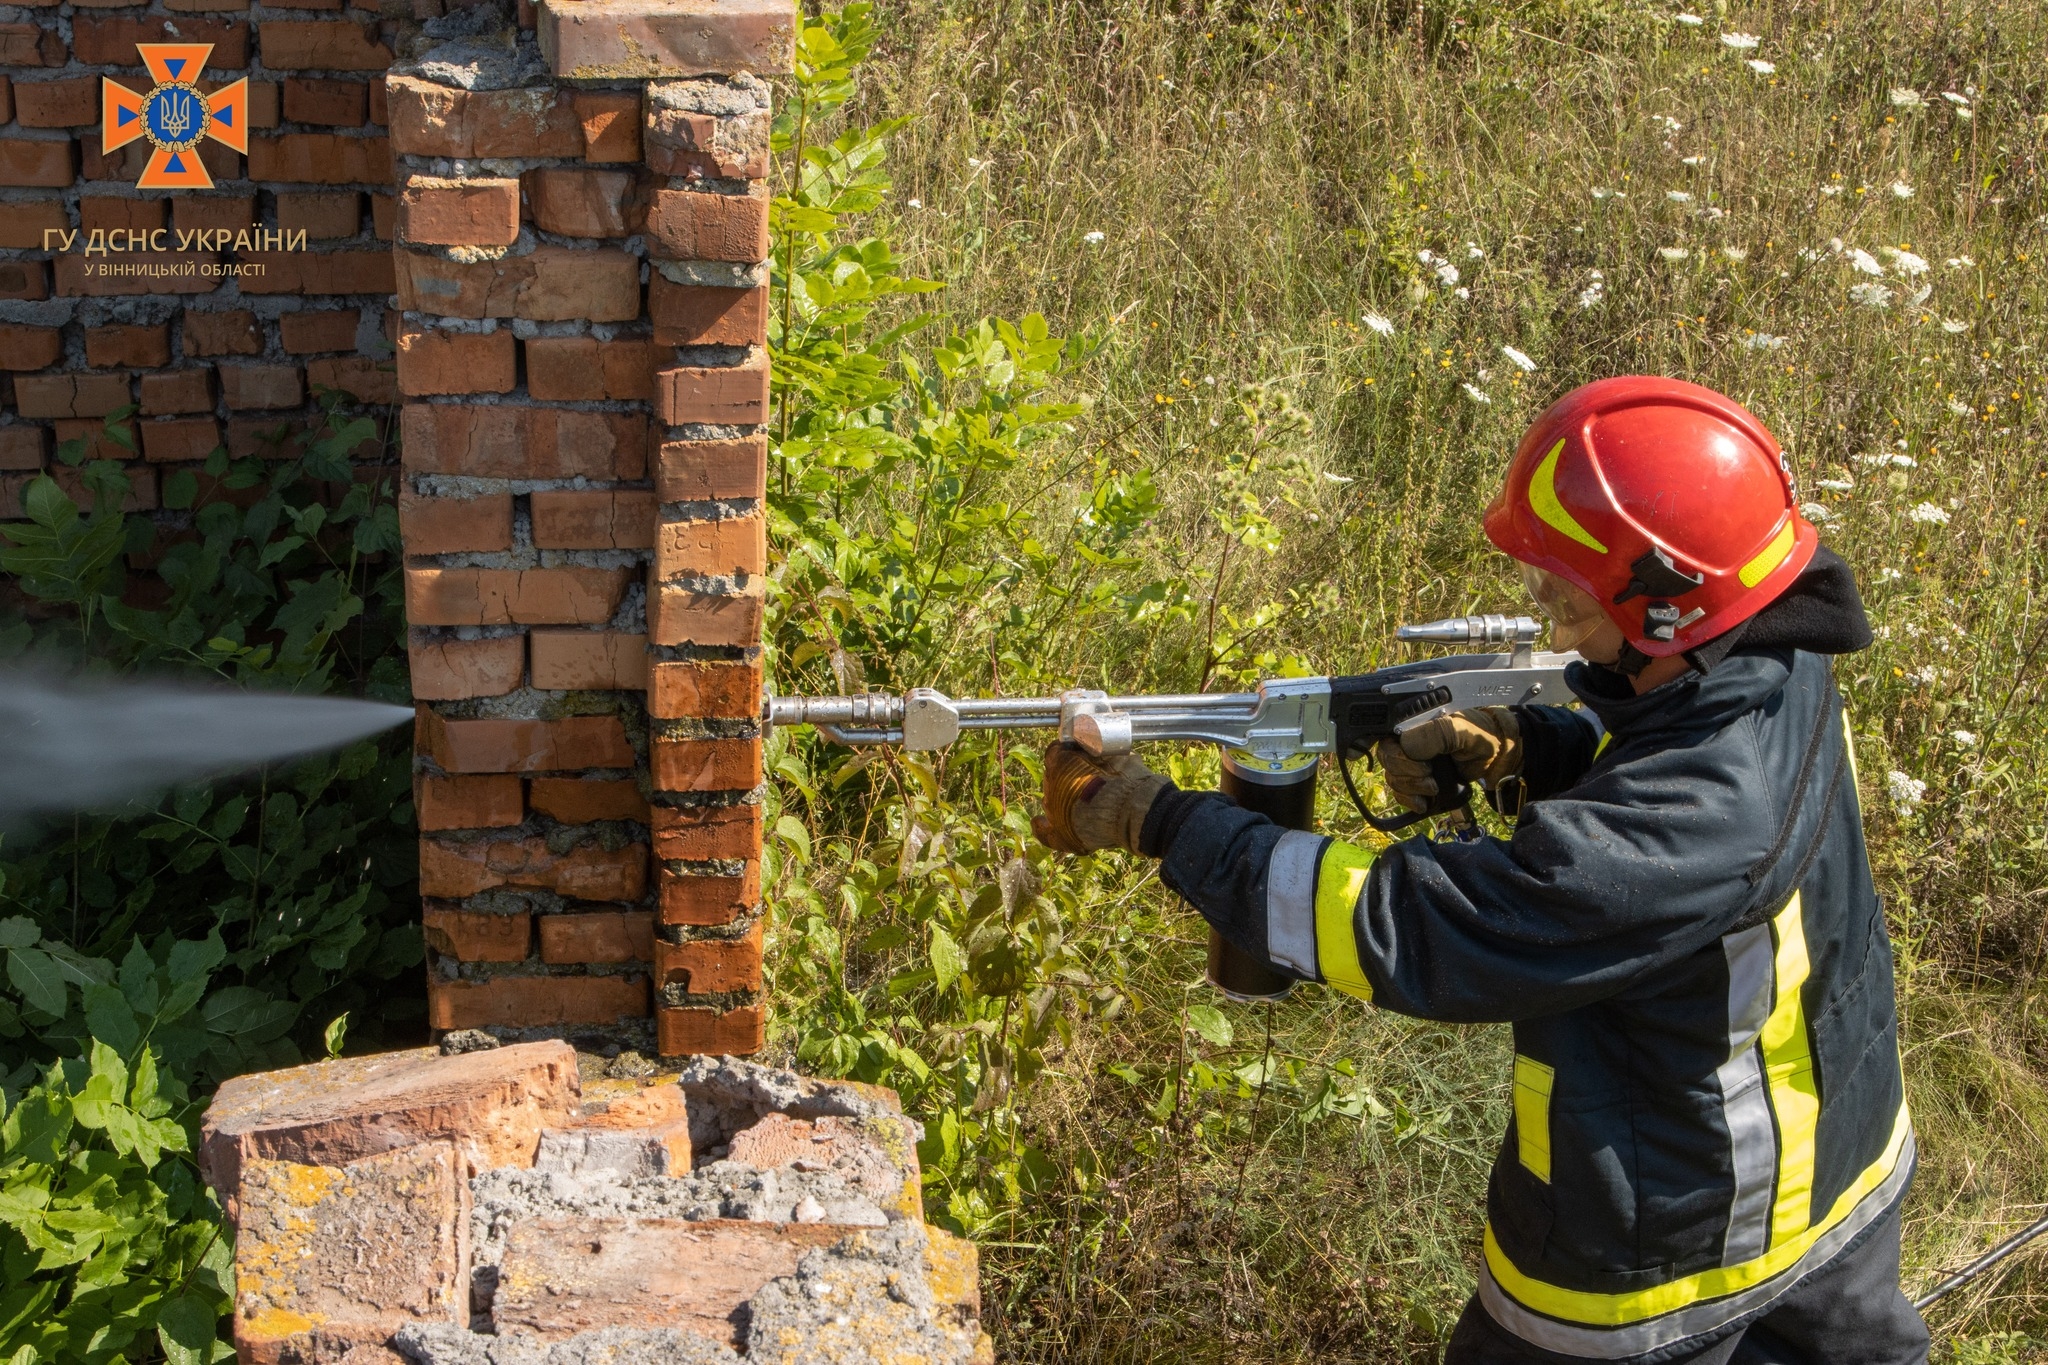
[(1921, 295), (1831, 190), (1889, 575), (1816, 512), (1927, 514), (1461, 293), (1689, 20), (1594, 292), (1926, 676), (1092, 238), (1903, 98), (1602, 192), (1763, 68), (1379, 324), (1871, 295), (1953, 98), (1960, 263), (1338, 478), (916, 203), (1741, 42), (1905, 791), (1679, 196), (1764, 341), (1447, 272), (1477, 395), (1964, 738), (1474, 252), (1904, 461), (1692, 160), (1837, 485), (1669, 124), (1521, 361), (1673, 253), (975, 163), (1901, 190), (1903, 261), (1865, 262), (1735, 253), (1951, 326), (1426, 256), (1483, 374), (1713, 213), (1959, 407)]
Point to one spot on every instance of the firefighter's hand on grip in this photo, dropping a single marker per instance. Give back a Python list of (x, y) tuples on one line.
[(1094, 803), (1484, 745)]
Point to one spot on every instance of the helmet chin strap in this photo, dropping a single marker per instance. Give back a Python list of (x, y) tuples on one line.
[(1630, 662)]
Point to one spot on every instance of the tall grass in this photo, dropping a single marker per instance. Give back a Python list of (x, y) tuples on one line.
[(1282, 194)]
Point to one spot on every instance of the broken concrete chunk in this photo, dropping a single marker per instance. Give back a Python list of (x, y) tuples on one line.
[(864, 1299), (727, 1094), (607, 1346), (877, 1156)]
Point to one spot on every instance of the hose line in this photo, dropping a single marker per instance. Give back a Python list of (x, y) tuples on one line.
[(1981, 1264)]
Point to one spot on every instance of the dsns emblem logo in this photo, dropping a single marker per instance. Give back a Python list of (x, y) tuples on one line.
[(174, 116)]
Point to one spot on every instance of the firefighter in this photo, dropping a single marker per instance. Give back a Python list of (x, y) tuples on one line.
[(1709, 1142)]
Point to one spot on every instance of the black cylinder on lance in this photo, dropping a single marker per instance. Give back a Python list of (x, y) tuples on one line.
[(1285, 793)]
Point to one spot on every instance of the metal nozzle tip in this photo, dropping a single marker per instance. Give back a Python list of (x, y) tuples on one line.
[(1473, 630)]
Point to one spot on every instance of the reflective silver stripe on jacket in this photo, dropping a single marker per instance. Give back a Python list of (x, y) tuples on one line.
[(1619, 1343), (1291, 902), (1745, 1099)]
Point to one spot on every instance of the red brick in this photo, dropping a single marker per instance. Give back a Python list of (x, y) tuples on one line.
[(611, 124), (706, 315), (610, 937), (130, 346), (474, 936), (30, 45), (569, 369), (43, 161), (479, 802), (588, 873), (532, 1001), (697, 225), (6, 100), (698, 834), (70, 395), (29, 348), (21, 447), (706, 471), (176, 391), (684, 616), (323, 215), (503, 597), (338, 104), (574, 660), (439, 526), (581, 800), (548, 284), (73, 103), (437, 120), (177, 439), (142, 486), (705, 765), (320, 272), (711, 966), (123, 215), (123, 164), (449, 670), (507, 441), (581, 203), (524, 746), (320, 159), (213, 212), (727, 547), (233, 332), (320, 329), (262, 386), (694, 690), (322, 45), (733, 396), (593, 519), (683, 1032), (111, 42), (704, 146), (12, 487), (24, 221), (438, 212), (98, 443), (363, 378), (384, 216), (639, 39), (77, 277), (24, 280), (379, 111), (432, 361)]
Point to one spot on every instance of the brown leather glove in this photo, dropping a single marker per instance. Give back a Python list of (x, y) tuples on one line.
[(1486, 744), (1093, 803)]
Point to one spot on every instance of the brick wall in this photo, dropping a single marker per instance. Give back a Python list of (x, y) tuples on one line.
[(583, 296)]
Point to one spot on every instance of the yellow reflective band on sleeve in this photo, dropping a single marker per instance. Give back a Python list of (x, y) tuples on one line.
[(1758, 569), (1339, 884), (1788, 1068), (1543, 502), (1617, 1310), (1532, 1115)]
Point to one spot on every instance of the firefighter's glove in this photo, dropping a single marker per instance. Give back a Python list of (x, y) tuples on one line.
[(1486, 746), (1093, 803)]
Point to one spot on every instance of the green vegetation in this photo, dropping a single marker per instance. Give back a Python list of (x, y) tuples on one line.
[(1292, 243)]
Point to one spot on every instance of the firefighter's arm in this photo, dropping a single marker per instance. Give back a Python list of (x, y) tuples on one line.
[(1520, 754)]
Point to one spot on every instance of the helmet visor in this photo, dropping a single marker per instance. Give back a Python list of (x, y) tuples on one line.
[(1574, 613)]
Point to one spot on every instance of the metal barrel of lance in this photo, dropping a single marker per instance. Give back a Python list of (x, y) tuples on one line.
[(1284, 791)]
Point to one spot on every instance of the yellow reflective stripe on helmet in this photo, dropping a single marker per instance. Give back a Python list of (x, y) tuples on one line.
[(1758, 569), (1788, 1068), (1616, 1310), (1339, 883), (1543, 502), (1532, 1115)]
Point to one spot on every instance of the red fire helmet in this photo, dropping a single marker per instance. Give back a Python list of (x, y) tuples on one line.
[(1669, 503)]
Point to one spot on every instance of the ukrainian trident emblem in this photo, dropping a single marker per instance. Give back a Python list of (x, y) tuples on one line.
[(175, 116)]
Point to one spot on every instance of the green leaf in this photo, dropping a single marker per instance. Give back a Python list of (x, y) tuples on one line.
[(108, 1015), (1210, 1023), (947, 959), (186, 1328), (335, 1034), (36, 975), (18, 931), (791, 831)]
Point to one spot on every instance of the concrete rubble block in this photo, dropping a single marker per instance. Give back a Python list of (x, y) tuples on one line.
[(332, 1258), (624, 1127), (877, 1156), (561, 1276), (439, 1345), (865, 1298), (492, 1105), (727, 1094)]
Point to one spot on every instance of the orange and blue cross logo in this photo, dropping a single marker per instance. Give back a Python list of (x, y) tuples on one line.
[(174, 116)]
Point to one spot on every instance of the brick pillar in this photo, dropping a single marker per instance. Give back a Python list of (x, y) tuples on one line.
[(581, 252)]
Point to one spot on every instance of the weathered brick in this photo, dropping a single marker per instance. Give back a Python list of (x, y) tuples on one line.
[(33, 348), (433, 211), (264, 101), (611, 125), (524, 746), (706, 471), (503, 597), (535, 1001), (439, 526), (705, 314), (508, 441), (483, 801), (24, 221), (338, 104), (440, 121), (574, 660), (624, 1127), (568, 369), (610, 937), (587, 873), (123, 164), (322, 45), (176, 391), (582, 800), (450, 670), (686, 1032), (363, 378), (111, 42), (876, 1155), (384, 216), (642, 39), (380, 113), (24, 280), (548, 284), (474, 936), (320, 272), (323, 215), (705, 146), (705, 690), (735, 395), (70, 395), (319, 329), (697, 225), (131, 346), (232, 332), (213, 212), (109, 214), (97, 440), (684, 616), (574, 202), (40, 161), (21, 446), (142, 483), (75, 280), (30, 45), (262, 386), (726, 547), (710, 966), (433, 361), (177, 439), (699, 834), (320, 159), (705, 765), (68, 103), (593, 519)]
